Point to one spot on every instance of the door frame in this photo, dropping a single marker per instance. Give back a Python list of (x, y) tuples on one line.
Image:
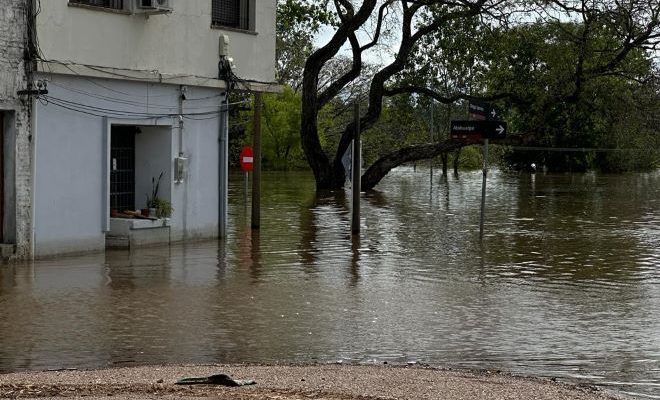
[(105, 179)]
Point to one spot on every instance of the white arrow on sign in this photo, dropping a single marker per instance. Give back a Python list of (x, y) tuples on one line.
[(500, 130), (493, 113)]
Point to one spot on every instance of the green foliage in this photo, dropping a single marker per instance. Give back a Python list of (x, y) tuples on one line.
[(297, 23), (471, 157), (280, 131), (163, 208), (402, 123), (560, 98), (563, 82), (155, 185)]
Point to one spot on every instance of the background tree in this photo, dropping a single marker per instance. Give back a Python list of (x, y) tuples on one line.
[(327, 168), (298, 21), (280, 130), (566, 71)]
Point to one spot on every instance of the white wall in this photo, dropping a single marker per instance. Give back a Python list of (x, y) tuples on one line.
[(153, 155), (71, 198), (179, 43)]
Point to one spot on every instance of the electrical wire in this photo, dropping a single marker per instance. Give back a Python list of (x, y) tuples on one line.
[(107, 111), (103, 112), (132, 102)]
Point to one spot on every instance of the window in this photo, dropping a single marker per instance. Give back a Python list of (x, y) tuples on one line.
[(114, 4), (238, 14)]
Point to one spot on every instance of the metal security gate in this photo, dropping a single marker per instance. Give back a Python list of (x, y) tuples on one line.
[(122, 168)]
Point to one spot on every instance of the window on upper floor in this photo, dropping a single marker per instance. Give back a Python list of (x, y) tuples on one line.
[(114, 4), (237, 14)]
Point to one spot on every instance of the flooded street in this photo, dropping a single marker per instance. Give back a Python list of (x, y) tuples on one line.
[(566, 283)]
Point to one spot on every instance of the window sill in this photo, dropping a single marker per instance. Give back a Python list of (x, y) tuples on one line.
[(102, 9), (228, 28)]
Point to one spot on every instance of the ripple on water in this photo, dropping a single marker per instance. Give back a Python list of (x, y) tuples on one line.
[(564, 284)]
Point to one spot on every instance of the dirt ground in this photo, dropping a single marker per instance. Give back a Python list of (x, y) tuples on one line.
[(288, 382)]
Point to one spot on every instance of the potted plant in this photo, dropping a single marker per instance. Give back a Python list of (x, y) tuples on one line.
[(158, 208), (163, 208)]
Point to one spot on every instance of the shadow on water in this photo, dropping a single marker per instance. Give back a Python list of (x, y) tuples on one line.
[(566, 283)]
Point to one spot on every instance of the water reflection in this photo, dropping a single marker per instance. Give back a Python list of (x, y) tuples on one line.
[(564, 284)]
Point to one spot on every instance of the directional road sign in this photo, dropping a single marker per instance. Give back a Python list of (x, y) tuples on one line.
[(483, 111), (474, 130)]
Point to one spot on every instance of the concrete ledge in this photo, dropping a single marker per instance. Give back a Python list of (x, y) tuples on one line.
[(127, 233), (123, 226), (7, 250)]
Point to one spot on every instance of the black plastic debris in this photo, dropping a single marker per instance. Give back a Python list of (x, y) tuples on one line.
[(218, 379)]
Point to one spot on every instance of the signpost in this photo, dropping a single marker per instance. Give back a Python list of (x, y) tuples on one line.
[(485, 128), (247, 163)]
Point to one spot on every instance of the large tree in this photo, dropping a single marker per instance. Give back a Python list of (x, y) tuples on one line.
[(353, 20), (421, 59)]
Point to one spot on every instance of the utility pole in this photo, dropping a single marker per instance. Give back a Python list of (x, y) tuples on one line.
[(355, 184), (432, 129), (256, 174)]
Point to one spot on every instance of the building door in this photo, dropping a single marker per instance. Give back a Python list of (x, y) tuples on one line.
[(122, 168)]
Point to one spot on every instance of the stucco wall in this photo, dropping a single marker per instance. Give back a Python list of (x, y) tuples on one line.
[(71, 156), (180, 43), (16, 111)]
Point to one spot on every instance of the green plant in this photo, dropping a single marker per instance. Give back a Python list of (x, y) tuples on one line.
[(155, 184), (163, 208)]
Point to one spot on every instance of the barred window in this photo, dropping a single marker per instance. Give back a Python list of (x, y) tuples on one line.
[(115, 4), (232, 13)]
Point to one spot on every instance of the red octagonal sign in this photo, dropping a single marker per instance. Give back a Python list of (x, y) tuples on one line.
[(247, 159)]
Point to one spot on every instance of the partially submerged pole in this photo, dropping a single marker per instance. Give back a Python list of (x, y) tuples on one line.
[(432, 128), (256, 172), (355, 185), (483, 191)]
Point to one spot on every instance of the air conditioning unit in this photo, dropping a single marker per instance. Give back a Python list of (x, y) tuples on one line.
[(153, 6)]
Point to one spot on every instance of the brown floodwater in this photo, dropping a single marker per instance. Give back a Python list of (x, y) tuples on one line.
[(566, 283)]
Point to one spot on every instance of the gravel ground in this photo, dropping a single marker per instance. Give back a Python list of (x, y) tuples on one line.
[(330, 382)]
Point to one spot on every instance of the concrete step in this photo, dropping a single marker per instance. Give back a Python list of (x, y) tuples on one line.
[(7, 250)]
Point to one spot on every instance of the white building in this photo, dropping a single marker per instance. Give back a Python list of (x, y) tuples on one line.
[(15, 131), (134, 92)]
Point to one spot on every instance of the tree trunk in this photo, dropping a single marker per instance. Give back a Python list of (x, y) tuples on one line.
[(457, 155), (377, 171)]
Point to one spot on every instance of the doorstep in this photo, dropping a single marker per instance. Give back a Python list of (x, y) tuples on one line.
[(7, 250), (126, 233)]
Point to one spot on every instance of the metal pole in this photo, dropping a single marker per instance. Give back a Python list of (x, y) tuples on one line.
[(256, 170), (483, 191), (245, 191), (355, 222), (431, 162), (223, 173)]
